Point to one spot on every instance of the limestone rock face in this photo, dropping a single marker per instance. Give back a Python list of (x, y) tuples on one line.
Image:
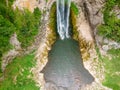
[(32, 4), (94, 8), (89, 18), (14, 42), (28, 4)]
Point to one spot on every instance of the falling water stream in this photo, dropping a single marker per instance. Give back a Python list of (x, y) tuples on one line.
[(65, 69), (63, 13)]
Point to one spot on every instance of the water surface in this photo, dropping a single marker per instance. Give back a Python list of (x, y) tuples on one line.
[(65, 67)]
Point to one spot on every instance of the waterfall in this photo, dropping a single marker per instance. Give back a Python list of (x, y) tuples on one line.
[(63, 13)]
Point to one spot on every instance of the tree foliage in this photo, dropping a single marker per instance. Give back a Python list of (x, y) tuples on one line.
[(24, 23)]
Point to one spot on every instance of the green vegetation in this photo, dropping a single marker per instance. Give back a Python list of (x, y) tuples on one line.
[(52, 17), (46, 0), (74, 8), (112, 67), (74, 11), (111, 26), (111, 29), (24, 23), (18, 75), (27, 24)]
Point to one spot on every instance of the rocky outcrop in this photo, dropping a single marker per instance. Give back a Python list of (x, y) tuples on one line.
[(32, 4), (47, 38), (14, 42), (86, 27), (106, 44), (28, 4)]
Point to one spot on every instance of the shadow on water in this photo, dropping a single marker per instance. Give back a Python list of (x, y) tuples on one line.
[(65, 67)]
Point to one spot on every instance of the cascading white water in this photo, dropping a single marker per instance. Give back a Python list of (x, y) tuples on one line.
[(63, 13)]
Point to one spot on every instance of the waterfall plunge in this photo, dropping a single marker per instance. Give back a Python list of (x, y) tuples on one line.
[(63, 13)]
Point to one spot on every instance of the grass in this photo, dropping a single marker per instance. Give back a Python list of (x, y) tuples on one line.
[(18, 75), (112, 67)]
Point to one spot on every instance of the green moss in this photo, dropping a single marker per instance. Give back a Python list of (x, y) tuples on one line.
[(74, 8), (18, 75), (112, 68), (52, 20), (73, 19), (47, 0)]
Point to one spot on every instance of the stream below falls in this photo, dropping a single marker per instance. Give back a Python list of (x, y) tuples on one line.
[(65, 67)]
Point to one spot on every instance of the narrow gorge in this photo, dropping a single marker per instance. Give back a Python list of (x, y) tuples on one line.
[(65, 69), (59, 45)]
